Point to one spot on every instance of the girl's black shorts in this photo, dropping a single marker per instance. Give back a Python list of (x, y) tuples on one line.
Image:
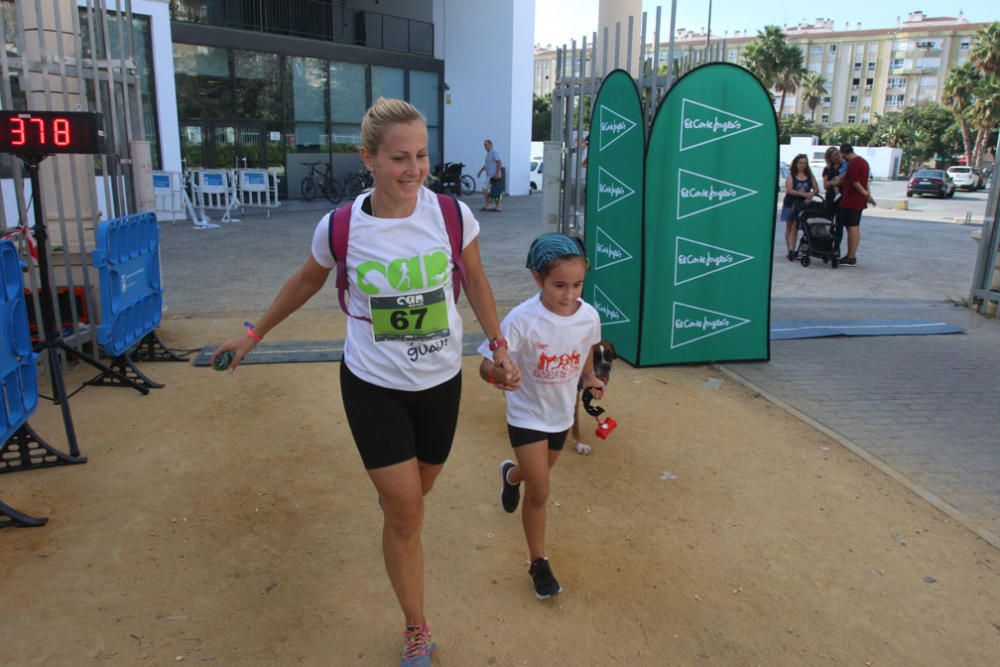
[(525, 436), (391, 425)]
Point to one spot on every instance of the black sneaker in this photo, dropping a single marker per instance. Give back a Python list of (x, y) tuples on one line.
[(545, 583), (791, 255), (849, 261), (510, 494)]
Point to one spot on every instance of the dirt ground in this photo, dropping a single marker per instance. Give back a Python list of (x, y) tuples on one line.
[(228, 520)]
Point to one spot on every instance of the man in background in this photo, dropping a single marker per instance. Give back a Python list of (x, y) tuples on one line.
[(855, 199), (493, 166)]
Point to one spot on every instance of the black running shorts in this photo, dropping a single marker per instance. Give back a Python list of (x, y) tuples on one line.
[(391, 425), (848, 217), (525, 436)]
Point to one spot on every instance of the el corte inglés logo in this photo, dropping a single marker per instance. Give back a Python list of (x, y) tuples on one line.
[(702, 124), (695, 259), (609, 312), (691, 323), (608, 251), (612, 126), (697, 193), (610, 189)]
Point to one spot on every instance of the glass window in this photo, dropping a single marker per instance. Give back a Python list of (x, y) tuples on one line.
[(833, 48), (348, 98), (201, 75), (425, 94), (309, 102), (816, 50), (871, 67), (897, 63), (851, 118), (257, 85), (824, 118), (389, 82)]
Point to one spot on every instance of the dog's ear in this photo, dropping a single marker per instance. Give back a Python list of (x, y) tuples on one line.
[(612, 352)]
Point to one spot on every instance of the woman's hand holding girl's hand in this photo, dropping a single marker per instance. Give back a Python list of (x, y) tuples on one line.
[(239, 347), (506, 374)]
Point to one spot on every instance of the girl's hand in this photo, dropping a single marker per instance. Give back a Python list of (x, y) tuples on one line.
[(506, 374), (239, 346), (595, 385)]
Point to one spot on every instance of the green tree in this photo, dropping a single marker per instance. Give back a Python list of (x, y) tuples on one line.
[(813, 89), (541, 117), (985, 53), (986, 58), (796, 124), (790, 71), (959, 95)]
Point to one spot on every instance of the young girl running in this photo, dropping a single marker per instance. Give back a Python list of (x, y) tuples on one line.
[(549, 337), (800, 188)]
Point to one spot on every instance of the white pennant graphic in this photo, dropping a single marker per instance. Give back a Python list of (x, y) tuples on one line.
[(609, 311), (608, 252), (703, 322), (699, 119), (609, 186), (704, 193), (614, 123), (703, 259)]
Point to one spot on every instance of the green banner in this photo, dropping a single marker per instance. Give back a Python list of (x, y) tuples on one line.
[(709, 220), (613, 228)]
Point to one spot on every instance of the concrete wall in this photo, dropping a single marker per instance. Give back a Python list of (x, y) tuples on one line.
[(884, 162), (163, 71), (487, 49)]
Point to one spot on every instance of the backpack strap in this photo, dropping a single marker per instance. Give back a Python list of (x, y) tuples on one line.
[(456, 233), (340, 234)]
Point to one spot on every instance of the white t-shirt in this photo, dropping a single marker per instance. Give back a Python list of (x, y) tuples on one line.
[(551, 351), (390, 257)]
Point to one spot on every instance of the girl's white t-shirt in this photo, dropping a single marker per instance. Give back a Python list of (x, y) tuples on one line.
[(403, 268), (551, 351)]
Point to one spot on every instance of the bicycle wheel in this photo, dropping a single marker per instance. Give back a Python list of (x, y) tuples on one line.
[(468, 184), (333, 190), (308, 188), (354, 186)]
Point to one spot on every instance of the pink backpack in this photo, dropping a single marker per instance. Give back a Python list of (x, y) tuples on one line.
[(340, 233)]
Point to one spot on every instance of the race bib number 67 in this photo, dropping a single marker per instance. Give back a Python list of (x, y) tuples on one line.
[(410, 317)]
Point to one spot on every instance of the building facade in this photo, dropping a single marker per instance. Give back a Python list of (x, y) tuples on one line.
[(867, 71)]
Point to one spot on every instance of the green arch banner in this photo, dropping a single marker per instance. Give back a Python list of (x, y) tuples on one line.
[(613, 227), (709, 220)]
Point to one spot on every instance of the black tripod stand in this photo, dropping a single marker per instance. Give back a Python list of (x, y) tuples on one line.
[(53, 341)]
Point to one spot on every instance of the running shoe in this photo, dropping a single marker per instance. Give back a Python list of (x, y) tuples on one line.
[(545, 582), (849, 261), (417, 647), (510, 494)]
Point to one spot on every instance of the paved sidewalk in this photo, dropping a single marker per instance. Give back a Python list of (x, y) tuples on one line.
[(925, 406)]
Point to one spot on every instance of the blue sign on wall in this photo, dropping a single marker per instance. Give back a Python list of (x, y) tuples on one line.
[(128, 262)]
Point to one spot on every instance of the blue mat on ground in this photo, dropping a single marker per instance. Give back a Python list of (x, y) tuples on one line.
[(311, 351), (791, 329)]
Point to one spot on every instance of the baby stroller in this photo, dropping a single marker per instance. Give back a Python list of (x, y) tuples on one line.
[(819, 236), (447, 177)]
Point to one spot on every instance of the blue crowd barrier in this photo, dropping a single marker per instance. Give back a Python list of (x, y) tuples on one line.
[(18, 374), (127, 257)]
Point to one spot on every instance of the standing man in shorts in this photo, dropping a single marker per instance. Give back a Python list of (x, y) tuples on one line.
[(855, 199), (493, 166)]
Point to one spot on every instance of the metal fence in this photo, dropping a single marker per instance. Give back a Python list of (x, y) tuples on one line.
[(985, 294), (579, 73), (58, 58), (332, 22)]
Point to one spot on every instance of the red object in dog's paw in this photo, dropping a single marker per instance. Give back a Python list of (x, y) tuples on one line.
[(604, 428)]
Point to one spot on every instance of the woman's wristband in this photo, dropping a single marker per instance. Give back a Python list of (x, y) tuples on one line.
[(251, 333)]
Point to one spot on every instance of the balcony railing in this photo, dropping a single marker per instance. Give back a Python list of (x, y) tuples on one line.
[(332, 22)]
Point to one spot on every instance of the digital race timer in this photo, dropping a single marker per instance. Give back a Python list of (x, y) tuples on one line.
[(50, 132)]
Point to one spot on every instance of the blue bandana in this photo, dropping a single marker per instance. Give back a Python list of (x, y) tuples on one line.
[(550, 247)]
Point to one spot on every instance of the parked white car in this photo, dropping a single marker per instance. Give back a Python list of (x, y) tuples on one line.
[(964, 178), (535, 175)]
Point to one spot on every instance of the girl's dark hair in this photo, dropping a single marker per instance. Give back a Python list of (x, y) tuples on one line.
[(795, 168)]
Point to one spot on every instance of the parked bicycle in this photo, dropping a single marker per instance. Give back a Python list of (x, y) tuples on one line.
[(358, 183), (448, 177), (321, 181)]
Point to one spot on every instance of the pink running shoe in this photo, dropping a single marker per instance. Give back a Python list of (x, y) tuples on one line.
[(417, 646)]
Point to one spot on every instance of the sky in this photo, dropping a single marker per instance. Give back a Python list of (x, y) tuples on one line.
[(558, 21)]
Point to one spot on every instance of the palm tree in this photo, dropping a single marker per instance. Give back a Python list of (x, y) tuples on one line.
[(763, 55), (813, 89), (986, 57), (959, 89), (986, 52), (789, 73)]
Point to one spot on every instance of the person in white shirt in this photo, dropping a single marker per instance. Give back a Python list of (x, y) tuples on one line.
[(401, 374), (549, 337)]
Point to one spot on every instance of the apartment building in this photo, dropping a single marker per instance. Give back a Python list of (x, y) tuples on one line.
[(867, 71)]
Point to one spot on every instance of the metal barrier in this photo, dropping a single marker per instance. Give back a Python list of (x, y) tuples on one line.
[(258, 187), (172, 202), (215, 189)]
